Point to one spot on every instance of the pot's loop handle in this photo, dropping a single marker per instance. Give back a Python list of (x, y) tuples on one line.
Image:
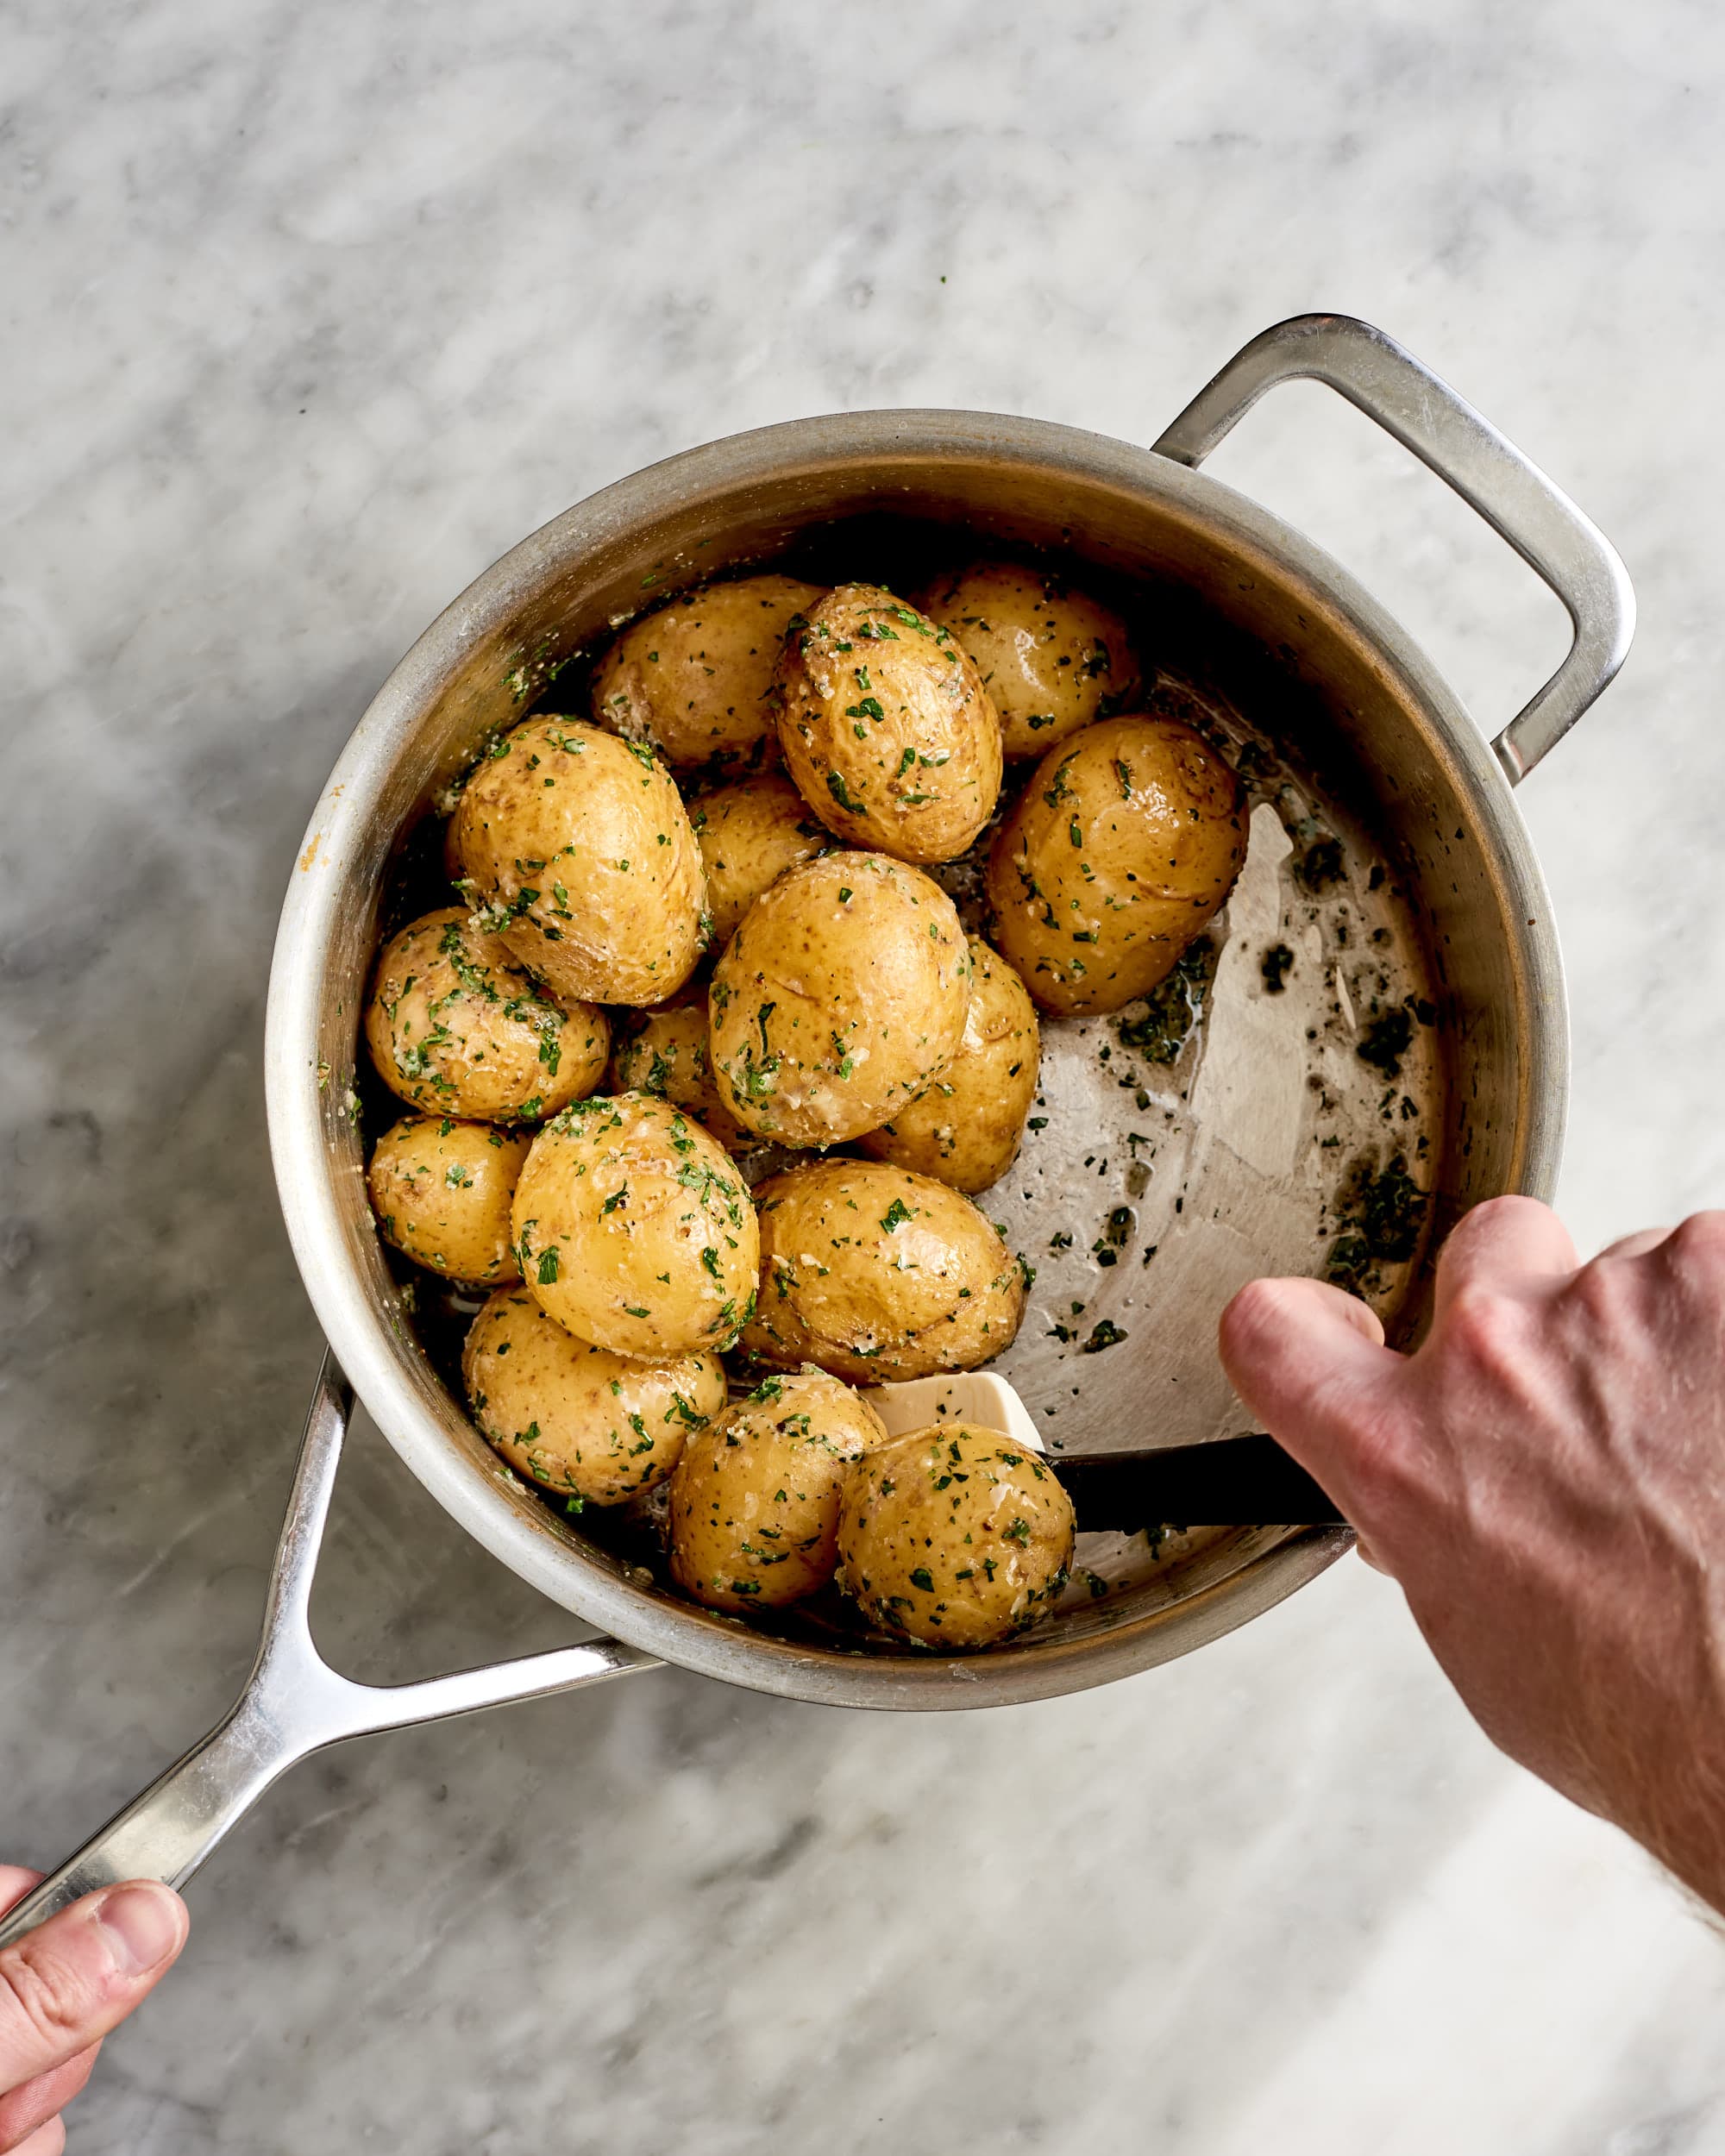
[(1389, 384), (293, 1704)]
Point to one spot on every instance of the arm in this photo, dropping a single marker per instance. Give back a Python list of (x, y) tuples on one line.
[(1545, 1478)]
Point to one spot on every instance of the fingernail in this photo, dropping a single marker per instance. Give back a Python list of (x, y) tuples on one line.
[(141, 1924)]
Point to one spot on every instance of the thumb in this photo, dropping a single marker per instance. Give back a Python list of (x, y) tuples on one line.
[(1300, 1353), (66, 1983)]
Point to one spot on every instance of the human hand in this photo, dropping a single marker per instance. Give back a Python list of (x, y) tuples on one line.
[(63, 1986), (1545, 1478)]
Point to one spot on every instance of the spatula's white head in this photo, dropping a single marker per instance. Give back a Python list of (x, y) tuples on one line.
[(977, 1397)]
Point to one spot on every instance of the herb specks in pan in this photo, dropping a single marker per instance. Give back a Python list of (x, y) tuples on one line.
[(1173, 1007), (1382, 1211)]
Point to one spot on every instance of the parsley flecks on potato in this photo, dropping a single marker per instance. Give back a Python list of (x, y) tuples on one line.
[(874, 1274), (1120, 849), (665, 1051), (574, 1418), (1051, 658), (577, 851), (966, 1127), (457, 1026), (692, 678), (748, 835), (954, 1537), (634, 1230), (754, 1513), (442, 1192), (841, 995), (886, 727)]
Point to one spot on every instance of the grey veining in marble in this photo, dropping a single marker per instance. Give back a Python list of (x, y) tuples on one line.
[(311, 310)]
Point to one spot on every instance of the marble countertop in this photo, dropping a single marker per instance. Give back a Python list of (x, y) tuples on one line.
[(311, 310)]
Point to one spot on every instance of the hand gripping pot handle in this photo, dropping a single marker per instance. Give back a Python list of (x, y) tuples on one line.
[(293, 1704), (1389, 384)]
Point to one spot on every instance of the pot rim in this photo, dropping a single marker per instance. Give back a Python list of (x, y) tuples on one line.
[(343, 822)]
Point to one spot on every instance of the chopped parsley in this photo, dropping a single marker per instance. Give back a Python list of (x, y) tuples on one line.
[(1174, 1006), (1386, 1041), (1382, 1212)]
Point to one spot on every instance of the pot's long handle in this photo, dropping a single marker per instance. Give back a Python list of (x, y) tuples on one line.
[(1389, 384), (293, 1704)]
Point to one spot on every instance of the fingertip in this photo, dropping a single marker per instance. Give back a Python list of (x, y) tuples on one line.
[(1263, 1309), (1308, 1363), (1267, 1313)]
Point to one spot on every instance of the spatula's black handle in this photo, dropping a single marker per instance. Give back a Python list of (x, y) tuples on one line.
[(1227, 1482)]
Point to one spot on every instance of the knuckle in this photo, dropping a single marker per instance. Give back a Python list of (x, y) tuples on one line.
[(1377, 1439), (1488, 1352), (44, 1991), (1594, 1285), (1601, 1294), (1483, 1328), (1509, 1205), (1699, 1241)]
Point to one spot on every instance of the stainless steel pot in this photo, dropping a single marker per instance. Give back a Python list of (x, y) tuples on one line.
[(1255, 595), (1432, 784)]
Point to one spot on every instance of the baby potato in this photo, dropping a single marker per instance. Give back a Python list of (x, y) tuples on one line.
[(632, 1229), (692, 678), (1049, 656), (748, 835), (457, 1026), (874, 1274), (838, 998), (754, 1497), (954, 1537), (441, 1191), (580, 855), (666, 1052), (886, 727), (1123, 845), (574, 1418), (966, 1128)]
